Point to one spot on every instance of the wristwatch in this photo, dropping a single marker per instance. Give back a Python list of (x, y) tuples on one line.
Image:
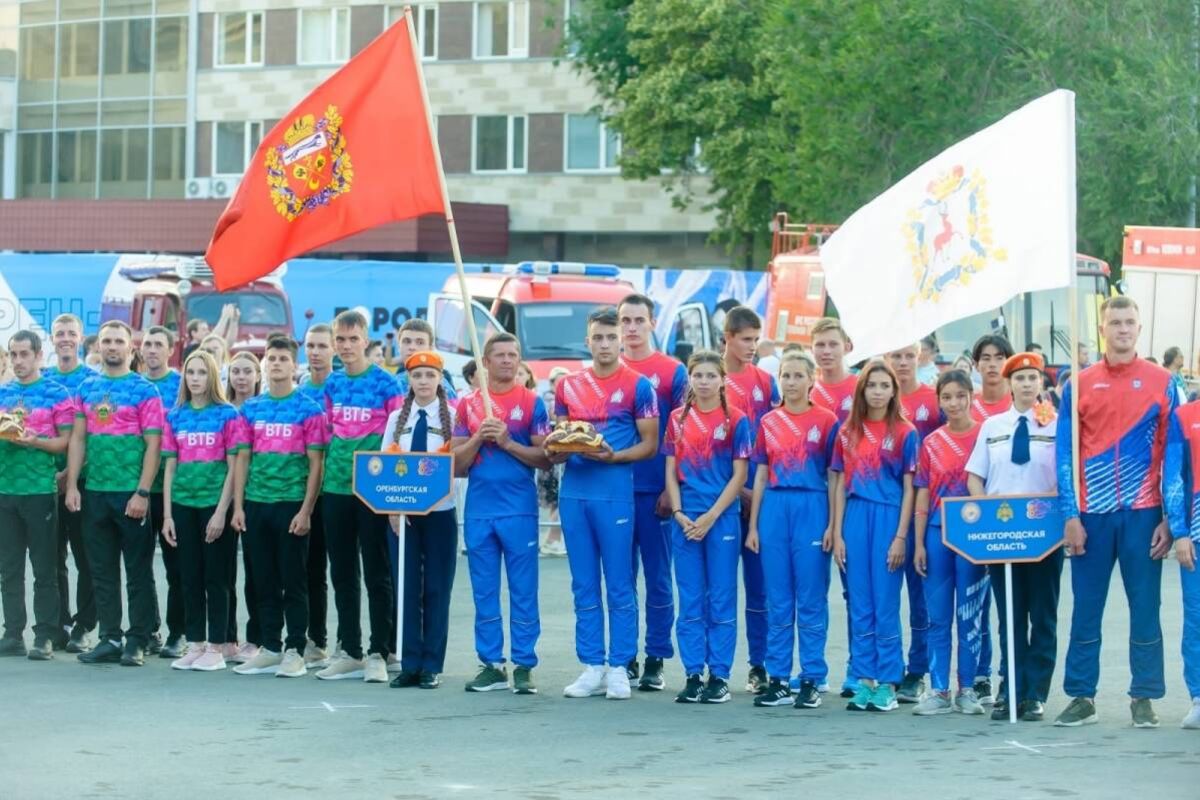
[(142, 493)]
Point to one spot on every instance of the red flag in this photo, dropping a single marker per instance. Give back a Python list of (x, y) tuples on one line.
[(354, 154)]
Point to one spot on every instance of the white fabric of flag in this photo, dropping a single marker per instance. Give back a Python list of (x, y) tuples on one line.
[(988, 218)]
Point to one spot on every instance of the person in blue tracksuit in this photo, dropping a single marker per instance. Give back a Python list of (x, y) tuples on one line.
[(789, 528), (876, 456), (954, 587), (708, 444), (1181, 495), (596, 505), (651, 526), (499, 452)]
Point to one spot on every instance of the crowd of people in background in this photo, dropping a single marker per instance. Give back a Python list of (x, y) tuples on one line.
[(761, 469)]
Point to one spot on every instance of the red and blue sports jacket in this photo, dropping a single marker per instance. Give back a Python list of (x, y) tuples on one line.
[(1123, 414), (1181, 472)]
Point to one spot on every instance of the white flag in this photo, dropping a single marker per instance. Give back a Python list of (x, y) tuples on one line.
[(990, 217)]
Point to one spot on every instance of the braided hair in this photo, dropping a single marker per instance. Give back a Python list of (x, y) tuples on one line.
[(443, 416), (698, 358)]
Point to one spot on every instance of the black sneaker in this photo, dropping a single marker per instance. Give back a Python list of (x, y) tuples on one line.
[(1031, 711), (691, 691), (60, 640), (430, 680), (777, 693), (715, 691), (911, 688), (983, 690), (757, 681), (154, 644), (133, 656), (1000, 709), (808, 696), (174, 648), (42, 650), (406, 680), (652, 676), (12, 647), (104, 653), (631, 669)]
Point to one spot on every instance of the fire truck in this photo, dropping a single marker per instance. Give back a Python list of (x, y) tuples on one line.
[(796, 299), (546, 306), (173, 291)]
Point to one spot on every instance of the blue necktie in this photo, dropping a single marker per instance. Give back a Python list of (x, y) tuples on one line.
[(1020, 448), (420, 437)]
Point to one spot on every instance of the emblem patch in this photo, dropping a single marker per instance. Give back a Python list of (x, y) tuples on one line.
[(311, 167)]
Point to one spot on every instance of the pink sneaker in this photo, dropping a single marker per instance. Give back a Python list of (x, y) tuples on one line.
[(245, 653), (230, 651), (193, 654), (212, 660)]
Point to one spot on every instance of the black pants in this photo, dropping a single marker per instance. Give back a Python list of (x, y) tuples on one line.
[(253, 631), (318, 587), (204, 574), (170, 558), (280, 562), (28, 524), (70, 531), (354, 532), (430, 559), (110, 536), (1035, 622)]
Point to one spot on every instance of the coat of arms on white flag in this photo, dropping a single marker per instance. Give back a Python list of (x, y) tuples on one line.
[(988, 218)]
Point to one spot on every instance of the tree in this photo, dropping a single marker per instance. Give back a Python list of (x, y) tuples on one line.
[(815, 107)]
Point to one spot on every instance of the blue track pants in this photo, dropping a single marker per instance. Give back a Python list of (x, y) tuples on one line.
[(876, 651), (599, 537), (706, 576), (955, 589), (652, 540), (791, 524), (515, 541)]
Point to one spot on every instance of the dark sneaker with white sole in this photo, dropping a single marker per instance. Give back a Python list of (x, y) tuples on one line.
[(1081, 711), (523, 681), (691, 691), (490, 678), (757, 680), (652, 676), (715, 691), (631, 669), (911, 688), (1143, 713), (777, 693), (809, 696)]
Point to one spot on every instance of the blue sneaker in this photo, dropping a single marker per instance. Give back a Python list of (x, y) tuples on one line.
[(883, 698), (861, 698)]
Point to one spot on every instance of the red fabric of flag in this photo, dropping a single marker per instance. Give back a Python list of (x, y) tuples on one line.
[(354, 154)]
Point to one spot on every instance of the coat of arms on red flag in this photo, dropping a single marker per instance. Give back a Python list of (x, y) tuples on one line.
[(311, 166)]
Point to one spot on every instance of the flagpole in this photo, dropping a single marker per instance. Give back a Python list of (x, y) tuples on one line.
[(468, 312)]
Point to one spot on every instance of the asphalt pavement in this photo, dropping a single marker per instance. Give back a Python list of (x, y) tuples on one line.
[(67, 730)]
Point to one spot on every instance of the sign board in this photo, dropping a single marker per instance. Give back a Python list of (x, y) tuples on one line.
[(403, 483), (1002, 529)]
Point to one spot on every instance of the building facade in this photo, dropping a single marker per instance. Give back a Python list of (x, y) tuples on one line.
[(168, 100)]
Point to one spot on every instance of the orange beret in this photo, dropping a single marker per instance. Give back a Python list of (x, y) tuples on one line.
[(425, 358), (1024, 361)]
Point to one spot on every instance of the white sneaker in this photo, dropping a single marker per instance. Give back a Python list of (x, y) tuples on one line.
[(315, 657), (591, 683), (375, 669), (934, 703), (341, 668), (555, 549), (292, 665), (1192, 721), (264, 663), (618, 684)]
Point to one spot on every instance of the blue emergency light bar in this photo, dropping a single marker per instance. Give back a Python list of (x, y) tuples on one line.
[(544, 268)]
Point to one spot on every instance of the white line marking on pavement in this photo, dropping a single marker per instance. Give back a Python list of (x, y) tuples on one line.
[(330, 707), (1035, 749)]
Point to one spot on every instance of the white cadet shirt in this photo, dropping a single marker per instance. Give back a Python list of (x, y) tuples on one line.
[(992, 461), (434, 441)]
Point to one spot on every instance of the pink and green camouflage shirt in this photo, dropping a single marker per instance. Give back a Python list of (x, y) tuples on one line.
[(47, 409), (279, 432), (200, 440), (358, 407), (119, 412)]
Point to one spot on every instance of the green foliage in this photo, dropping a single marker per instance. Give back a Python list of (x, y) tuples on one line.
[(816, 106)]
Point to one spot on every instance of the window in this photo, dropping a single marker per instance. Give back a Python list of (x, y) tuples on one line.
[(239, 39), (591, 146), (235, 144), (499, 144), (79, 50), (324, 35), (502, 29), (124, 162), (34, 160), (425, 16)]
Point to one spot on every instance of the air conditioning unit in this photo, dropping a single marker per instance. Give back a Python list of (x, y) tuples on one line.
[(199, 189), (224, 187)]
